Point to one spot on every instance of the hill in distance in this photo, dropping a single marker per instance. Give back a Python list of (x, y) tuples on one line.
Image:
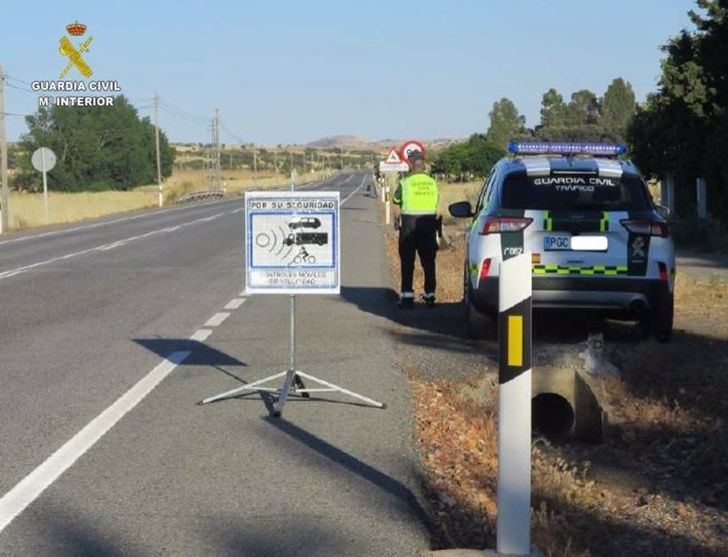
[(360, 143)]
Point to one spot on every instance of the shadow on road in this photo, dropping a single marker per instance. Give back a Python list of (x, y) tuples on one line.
[(200, 354), (448, 318), (70, 534), (281, 534), (355, 466)]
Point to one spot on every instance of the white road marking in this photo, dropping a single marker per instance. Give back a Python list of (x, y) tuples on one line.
[(108, 222), (34, 484), (201, 335), (356, 190), (217, 319), (243, 294), (235, 303), (30, 487), (108, 247), (104, 247)]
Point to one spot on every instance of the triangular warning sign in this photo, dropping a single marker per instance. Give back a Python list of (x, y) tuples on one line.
[(393, 157)]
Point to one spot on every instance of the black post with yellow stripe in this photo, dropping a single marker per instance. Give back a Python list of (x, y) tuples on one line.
[(514, 406)]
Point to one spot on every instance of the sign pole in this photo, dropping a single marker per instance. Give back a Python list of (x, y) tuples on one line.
[(44, 160), (514, 407), (291, 373), (4, 192), (45, 185)]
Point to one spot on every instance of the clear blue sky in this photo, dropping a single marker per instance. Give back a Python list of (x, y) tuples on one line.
[(295, 71)]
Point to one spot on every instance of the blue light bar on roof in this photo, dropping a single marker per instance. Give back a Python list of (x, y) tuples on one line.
[(562, 148)]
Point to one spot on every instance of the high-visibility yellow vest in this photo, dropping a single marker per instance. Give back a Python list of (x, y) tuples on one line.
[(417, 194)]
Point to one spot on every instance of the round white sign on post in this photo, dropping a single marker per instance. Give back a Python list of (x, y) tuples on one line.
[(43, 159)]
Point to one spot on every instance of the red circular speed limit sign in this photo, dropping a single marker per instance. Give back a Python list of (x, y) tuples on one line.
[(409, 147)]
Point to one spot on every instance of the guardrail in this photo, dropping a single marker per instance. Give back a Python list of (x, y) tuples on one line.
[(199, 195)]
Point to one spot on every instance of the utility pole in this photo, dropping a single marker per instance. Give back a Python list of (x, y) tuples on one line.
[(5, 212), (156, 140), (255, 167), (217, 149)]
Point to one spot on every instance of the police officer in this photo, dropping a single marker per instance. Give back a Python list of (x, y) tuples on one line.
[(417, 197)]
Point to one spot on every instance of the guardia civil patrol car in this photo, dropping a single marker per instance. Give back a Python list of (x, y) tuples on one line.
[(598, 242)]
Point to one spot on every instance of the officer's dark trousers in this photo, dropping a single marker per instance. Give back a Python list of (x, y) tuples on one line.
[(417, 235)]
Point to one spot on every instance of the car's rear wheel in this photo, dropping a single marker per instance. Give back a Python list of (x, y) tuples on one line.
[(479, 325), (663, 319), (659, 320)]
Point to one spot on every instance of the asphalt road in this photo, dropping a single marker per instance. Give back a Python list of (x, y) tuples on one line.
[(110, 333)]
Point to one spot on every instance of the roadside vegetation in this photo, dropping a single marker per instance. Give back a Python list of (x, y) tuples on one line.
[(26, 208), (656, 486), (106, 164)]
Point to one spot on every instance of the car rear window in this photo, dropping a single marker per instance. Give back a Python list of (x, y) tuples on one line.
[(581, 192)]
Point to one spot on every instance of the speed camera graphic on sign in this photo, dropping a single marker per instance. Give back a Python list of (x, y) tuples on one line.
[(292, 242)]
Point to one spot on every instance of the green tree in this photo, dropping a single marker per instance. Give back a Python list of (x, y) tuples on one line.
[(617, 107), (681, 129), (553, 110), (583, 108), (470, 158), (505, 123), (97, 148)]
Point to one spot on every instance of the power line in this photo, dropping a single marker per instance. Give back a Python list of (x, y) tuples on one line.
[(232, 134), (174, 110), (13, 78), (19, 88)]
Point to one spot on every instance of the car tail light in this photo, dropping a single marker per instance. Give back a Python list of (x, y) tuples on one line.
[(494, 225), (651, 227), (664, 277), (485, 269)]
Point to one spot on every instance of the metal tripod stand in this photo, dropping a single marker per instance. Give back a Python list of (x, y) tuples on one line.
[(293, 379)]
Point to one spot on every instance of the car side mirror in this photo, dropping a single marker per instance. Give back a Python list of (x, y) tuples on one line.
[(461, 210), (663, 211)]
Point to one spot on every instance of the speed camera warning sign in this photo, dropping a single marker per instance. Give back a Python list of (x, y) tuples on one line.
[(292, 242)]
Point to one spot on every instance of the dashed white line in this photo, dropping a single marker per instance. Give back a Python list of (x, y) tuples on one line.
[(356, 190), (30, 487), (34, 484), (217, 319), (235, 303), (200, 335)]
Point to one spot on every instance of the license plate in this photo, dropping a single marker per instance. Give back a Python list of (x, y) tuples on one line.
[(556, 243)]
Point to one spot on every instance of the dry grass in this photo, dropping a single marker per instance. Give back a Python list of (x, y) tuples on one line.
[(27, 209), (576, 511)]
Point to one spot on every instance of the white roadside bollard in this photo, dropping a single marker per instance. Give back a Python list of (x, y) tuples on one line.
[(514, 407), (388, 207)]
